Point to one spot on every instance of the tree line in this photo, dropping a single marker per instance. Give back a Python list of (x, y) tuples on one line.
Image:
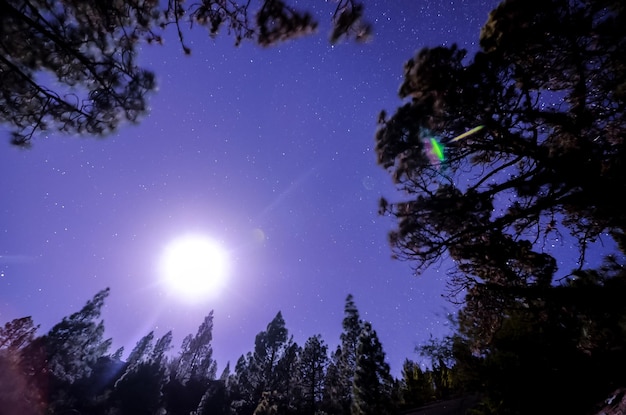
[(71, 370)]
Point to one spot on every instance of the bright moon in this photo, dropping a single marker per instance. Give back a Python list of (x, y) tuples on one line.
[(194, 267)]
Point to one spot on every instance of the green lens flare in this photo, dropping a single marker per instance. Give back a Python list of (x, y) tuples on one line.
[(437, 149)]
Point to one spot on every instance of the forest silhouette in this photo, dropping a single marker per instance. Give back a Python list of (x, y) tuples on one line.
[(70, 369)]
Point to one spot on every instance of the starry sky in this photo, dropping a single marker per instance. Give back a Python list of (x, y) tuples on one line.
[(268, 151)]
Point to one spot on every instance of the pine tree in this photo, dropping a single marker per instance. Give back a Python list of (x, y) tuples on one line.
[(352, 328), (75, 344), (195, 361), (138, 356), (225, 376), (331, 402), (372, 385), (268, 349), (286, 381), (243, 386), (162, 346), (312, 371), (141, 351), (258, 372)]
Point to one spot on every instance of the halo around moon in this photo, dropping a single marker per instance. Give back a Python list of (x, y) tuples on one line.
[(194, 267)]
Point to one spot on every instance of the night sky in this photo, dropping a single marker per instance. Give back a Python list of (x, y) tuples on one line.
[(270, 152)]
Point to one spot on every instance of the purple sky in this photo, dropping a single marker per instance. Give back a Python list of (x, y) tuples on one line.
[(239, 141)]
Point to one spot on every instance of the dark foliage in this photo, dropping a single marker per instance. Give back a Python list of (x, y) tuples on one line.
[(71, 66), (278, 377), (549, 165), (372, 385)]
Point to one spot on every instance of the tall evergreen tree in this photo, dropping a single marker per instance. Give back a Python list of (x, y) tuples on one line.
[(333, 387), (287, 383), (141, 351), (312, 371), (258, 372), (372, 385), (58, 361), (225, 376), (195, 361), (243, 386), (269, 347), (75, 344), (161, 347), (192, 372), (352, 328)]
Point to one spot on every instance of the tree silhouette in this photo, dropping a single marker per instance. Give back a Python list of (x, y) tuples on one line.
[(549, 164), (312, 370), (372, 385), (70, 66), (69, 370), (548, 167), (140, 391), (75, 344), (333, 390), (195, 361), (17, 396), (348, 353), (263, 371)]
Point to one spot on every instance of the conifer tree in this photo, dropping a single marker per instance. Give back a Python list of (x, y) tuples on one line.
[(162, 346), (312, 370), (141, 351), (257, 372), (352, 328), (195, 361), (75, 344), (286, 382), (268, 349), (243, 386), (372, 384), (331, 402), (225, 376)]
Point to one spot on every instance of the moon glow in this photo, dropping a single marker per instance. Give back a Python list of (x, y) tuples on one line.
[(194, 267)]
